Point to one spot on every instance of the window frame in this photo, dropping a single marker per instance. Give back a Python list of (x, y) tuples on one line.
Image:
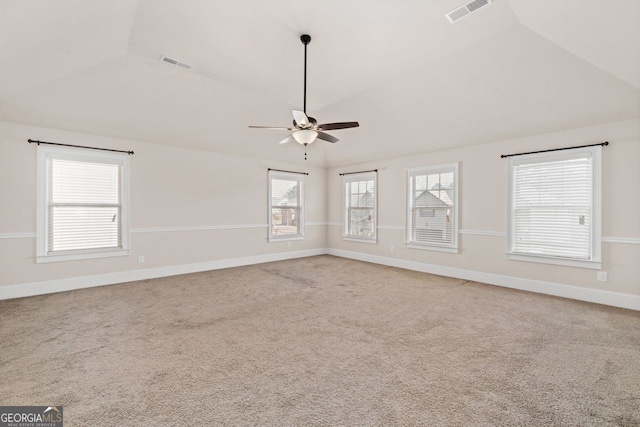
[(47, 152), (595, 241), (426, 170), (301, 178), (346, 180)]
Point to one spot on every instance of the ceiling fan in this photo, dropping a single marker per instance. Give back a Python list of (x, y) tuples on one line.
[(306, 129)]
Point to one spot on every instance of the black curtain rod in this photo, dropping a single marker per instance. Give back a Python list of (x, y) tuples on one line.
[(604, 144), (280, 170), (351, 173), (32, 141)]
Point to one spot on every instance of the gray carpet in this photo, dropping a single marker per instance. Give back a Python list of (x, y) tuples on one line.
[(320, 341)]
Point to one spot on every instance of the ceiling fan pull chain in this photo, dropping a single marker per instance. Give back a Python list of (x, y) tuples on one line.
[(305, 151)]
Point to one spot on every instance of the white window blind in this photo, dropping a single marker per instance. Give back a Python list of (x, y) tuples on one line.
[(554, 205), (432, 206), (82, 203), (360, 205), (286, 196)]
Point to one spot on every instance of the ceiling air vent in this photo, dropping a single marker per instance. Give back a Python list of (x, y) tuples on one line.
[(462, 11), (174, 62)]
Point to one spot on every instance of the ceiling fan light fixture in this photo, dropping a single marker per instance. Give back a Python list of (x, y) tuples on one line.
[(305, 136)]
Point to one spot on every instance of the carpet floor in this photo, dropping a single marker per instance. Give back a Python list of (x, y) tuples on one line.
[(320, 341)]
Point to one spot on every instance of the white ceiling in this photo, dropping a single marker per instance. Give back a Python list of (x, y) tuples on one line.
[(414, 81)]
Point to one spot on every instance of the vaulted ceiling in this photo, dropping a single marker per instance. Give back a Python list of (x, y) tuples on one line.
[(414, 81)]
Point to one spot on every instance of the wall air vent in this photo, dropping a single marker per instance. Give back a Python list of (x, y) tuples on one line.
[(175, 62), (462, 11)]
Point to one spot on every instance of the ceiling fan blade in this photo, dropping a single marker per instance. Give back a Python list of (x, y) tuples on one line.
[(271, 127), (335, 126), (287, 139), (301, 118), (326, 137)]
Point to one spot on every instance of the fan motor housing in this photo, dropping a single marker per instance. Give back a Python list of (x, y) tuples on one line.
[(312, 121)]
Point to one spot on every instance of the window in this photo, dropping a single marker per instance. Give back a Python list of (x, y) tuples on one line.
[(286, 206), (432, 212), (360, 201), (554, 207), (83, 204)]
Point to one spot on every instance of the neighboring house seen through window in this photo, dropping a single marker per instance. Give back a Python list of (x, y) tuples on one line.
[(554, 207), (83, 204), (360, 206), (286, 206), (432, 218)]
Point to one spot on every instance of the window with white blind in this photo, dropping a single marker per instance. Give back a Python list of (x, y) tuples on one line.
[(432, 211), (359, 195), (83, 204), (554, 207), (286, 206)]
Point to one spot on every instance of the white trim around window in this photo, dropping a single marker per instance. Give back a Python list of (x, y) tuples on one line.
[(432, 208), (286, 211), (554, 207), (76, 190), (360, 207)]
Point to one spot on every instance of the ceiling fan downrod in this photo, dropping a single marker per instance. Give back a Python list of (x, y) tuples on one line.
[(305, 39)]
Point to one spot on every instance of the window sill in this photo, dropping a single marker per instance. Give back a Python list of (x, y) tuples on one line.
[(285, 238), (450, 250), (360, 239), (594, 265), (82, 255)]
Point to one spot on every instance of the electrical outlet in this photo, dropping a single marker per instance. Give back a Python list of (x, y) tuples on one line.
[(393, 249), (288, 244), (602, 276), (140, 259)]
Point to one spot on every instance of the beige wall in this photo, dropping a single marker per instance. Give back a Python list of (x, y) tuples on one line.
[(483, 208), (173, 188), (170, 188)]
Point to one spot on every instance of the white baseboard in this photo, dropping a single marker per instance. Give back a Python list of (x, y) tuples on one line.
[(60, 285), (599, 296)]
